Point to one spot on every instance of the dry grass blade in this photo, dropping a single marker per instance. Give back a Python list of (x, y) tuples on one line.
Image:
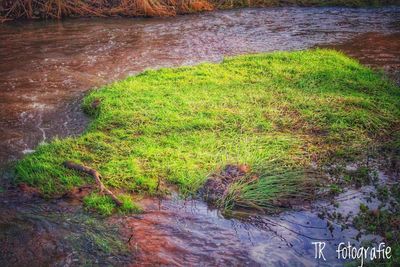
[(57, 9)]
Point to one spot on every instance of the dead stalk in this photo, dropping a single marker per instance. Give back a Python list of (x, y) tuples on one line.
[(60, 8)]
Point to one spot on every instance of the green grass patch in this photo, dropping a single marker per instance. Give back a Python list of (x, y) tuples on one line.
[(283, 109), (106, 206)]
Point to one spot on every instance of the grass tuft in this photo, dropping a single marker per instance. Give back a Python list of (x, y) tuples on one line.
[(100, 203), (128, 206), (272, 192), (106, 206)]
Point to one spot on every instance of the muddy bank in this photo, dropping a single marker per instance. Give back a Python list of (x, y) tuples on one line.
[(45, 67)]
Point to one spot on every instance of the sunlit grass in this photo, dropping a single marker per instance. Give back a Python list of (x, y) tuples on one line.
[(178, 125), (106, 206), (275, 190)]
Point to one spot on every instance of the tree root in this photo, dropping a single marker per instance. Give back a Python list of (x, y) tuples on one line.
[(97, 177)]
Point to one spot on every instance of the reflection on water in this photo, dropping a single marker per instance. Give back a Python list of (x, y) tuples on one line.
[(46, 66), (188, 233), (175, 232)]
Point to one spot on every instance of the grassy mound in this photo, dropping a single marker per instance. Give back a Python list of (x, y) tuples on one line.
[(179, 125)]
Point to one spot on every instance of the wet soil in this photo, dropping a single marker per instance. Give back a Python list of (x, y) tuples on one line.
[(216, 186)]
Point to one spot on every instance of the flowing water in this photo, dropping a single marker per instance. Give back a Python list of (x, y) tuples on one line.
[(46, 67), (189, 233)]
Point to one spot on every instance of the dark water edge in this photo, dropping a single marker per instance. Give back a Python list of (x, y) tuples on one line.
[(190, 233), (36, 232)]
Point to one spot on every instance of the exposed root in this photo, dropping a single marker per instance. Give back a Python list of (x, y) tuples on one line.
[(96, 175)]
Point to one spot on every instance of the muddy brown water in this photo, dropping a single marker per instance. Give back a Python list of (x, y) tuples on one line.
[(46, 67)]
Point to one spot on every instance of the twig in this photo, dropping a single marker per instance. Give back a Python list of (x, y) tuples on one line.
[(97, 177), (130, 238)]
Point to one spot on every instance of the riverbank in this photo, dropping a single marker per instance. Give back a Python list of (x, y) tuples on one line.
[(277, 114), (43, 9)]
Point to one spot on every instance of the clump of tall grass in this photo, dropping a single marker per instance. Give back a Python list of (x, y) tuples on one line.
[(106, 206), (274, 191), (34, 9)]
